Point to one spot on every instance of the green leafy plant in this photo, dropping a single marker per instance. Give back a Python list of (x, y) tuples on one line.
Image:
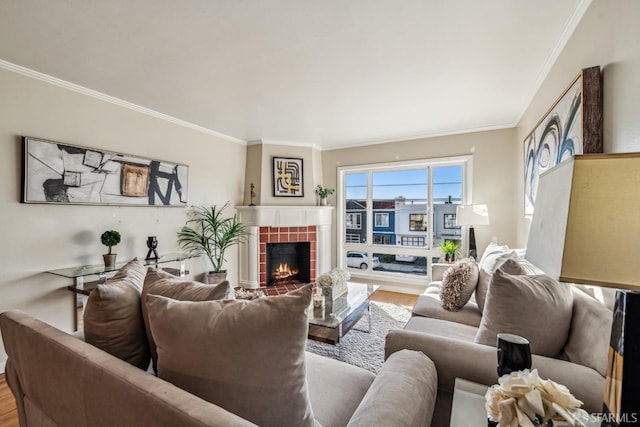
[(209, 233), (449, 247), (323, 193), (110, 238)]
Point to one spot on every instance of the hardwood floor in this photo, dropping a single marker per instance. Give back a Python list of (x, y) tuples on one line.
[(9, 415)]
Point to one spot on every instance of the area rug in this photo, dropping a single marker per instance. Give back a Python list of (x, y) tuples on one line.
[(360, 347)]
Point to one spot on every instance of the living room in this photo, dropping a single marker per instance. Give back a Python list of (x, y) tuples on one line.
[(42, 237)]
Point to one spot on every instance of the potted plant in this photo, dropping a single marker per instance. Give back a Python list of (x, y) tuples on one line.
[(110, 238), (209, 233), (323, 193), (449, 247)]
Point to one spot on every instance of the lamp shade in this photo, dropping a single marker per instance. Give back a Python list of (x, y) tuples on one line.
[(472, 215), (586, 223)]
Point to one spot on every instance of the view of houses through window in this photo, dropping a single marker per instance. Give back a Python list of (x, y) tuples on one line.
[(395, 217)]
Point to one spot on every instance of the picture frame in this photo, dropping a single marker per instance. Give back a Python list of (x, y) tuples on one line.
[(450, 221), (288, 177), (572, 125), (60, 173)]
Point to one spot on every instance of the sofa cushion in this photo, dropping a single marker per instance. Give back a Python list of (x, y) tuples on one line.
[(535, 307), (246, 356), (112, 317), (428, 305), (458, 284), (158, 282), (443, 328), (335, 389), (492, 258), (588, 342)]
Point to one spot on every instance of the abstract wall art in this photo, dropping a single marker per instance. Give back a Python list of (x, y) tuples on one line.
[(287, 177), (68, 174), (573, 125)]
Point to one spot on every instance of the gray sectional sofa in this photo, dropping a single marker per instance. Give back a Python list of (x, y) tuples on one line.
[(448, 338), (58, 379)]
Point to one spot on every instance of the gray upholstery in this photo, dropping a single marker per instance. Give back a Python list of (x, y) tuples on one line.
[(59, 380), (447, 338)]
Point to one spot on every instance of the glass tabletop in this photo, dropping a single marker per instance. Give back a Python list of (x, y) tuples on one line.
[(88, 270), (335, 312)]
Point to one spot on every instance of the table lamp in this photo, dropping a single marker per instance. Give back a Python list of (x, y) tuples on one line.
[(586, 229), (470, 215)]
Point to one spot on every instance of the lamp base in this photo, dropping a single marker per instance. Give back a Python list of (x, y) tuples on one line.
[(473, 252)]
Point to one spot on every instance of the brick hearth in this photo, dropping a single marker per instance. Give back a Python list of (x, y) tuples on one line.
[(286, 235)]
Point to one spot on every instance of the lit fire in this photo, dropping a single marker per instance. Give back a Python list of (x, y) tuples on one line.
[(283, 271)]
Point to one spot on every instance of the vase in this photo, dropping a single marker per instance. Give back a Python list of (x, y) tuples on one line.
[(323, 201), (213, 278), (450, 258), (109, 261)]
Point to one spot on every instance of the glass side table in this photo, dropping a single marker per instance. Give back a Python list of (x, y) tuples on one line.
[(82, 289)]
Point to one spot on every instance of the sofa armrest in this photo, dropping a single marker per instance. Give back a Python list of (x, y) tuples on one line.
[(476, 362), (437, 271), (402, 394)]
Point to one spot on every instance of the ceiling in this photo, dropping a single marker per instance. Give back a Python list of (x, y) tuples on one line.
[(331, 73)]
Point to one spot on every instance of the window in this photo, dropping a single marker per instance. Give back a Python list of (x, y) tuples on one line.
[(354, 221), (412, 241), (381, 239), (352, 238), (406, 202), (417, 222), (382, 219)]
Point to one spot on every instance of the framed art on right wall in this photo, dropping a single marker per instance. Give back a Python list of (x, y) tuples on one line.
[(573, 125)]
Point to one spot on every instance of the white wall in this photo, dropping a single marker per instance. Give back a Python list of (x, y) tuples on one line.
[(37, 238), (607, 36)]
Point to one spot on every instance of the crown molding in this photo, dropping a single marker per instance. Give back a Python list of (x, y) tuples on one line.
[(285, 143), (113, 100)]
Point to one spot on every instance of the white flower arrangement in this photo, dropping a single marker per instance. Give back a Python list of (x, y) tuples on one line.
[(522, 396), (333, 278)]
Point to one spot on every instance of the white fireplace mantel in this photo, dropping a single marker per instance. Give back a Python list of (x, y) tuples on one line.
[(254, 217)]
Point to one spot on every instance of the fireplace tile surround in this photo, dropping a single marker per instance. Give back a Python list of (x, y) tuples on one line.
[(278, 224)]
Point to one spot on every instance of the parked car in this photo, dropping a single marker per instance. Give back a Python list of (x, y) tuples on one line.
[(406, 258), (361, 260)]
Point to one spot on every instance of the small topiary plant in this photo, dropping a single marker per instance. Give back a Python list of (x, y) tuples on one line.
[(110, 238)]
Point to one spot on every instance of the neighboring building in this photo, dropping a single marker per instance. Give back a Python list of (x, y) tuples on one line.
[(356, 221), (384, 213), (411, 222)]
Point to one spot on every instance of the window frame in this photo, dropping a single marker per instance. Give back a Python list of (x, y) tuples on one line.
[(359, 221), (381, 215), (422, 221), (429, 251)]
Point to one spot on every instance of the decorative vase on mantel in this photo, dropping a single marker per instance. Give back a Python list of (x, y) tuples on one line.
[(323, 201)]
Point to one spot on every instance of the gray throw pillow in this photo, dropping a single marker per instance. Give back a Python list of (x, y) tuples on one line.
[(588, 342), (535, 307), (112, 317), (158, 282), (492, 258), (458, 284), (247, 357)]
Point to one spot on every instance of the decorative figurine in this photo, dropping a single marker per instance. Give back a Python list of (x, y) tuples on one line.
[(253, 194), (152, 244)]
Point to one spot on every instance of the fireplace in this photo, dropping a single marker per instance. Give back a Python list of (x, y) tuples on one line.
[(283, 224), (288, 263)]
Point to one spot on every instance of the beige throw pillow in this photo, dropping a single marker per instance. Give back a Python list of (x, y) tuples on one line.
[(246, 356), (112, 317), (492, 258), (537, 308), (458, 284), (158, 282), (590, 333)]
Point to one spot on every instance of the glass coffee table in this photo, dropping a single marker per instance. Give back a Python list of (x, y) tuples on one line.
[(332, 322)]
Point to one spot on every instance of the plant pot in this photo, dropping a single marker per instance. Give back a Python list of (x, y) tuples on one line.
[(213, 278), (450, 258), (323, 202), (109, 261)]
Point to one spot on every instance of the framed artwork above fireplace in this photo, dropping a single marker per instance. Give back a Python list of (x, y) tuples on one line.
[(287, 177)]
